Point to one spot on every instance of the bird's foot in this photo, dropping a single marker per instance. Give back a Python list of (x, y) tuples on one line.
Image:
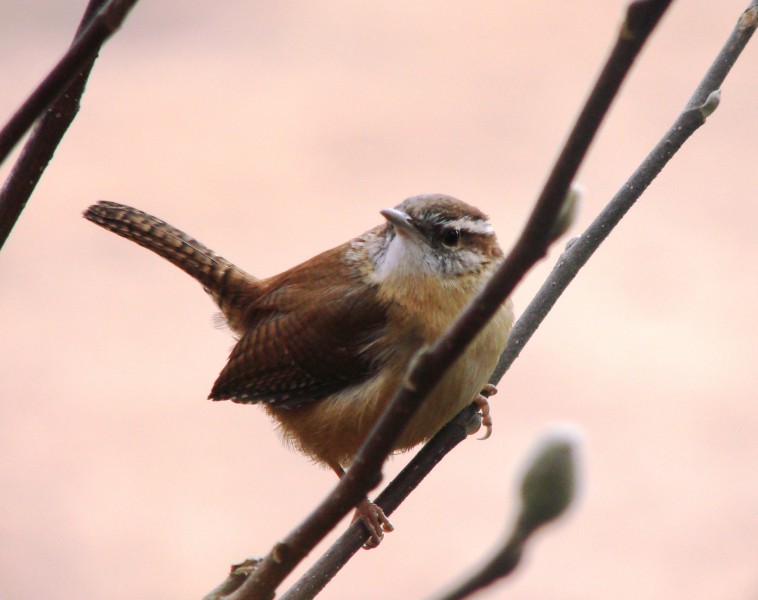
[(375, 520), (484, 407)]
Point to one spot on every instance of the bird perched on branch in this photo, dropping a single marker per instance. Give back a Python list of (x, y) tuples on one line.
[(324, 345)]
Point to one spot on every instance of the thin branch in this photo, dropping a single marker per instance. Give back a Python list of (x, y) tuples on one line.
[(703, 102), (431, 363), (237, 576), (61, 91)]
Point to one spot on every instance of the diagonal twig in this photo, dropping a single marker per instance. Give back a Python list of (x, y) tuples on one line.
[(59, 95)]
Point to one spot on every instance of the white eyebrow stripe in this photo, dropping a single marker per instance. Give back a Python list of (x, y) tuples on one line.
[(480, 227)]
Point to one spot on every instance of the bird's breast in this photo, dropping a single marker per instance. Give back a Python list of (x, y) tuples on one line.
[(332, 429)]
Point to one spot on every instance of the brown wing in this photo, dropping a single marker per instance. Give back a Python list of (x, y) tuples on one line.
[(308, 337)]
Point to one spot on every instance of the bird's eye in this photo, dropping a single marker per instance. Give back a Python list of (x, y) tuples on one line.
[(451, 237)]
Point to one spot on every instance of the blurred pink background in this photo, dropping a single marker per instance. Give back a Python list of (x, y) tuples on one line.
[(272, 131)]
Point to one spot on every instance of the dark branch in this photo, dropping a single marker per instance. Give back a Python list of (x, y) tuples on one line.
[(61, 91), (431, 364)]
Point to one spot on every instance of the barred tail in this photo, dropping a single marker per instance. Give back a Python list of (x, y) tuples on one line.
[(227, 284)]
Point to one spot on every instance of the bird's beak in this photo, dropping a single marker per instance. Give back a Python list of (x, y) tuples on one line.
[(402, 223)]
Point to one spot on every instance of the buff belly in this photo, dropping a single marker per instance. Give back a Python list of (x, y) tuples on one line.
[(330, 431)]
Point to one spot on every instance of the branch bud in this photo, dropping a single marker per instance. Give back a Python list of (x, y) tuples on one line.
[(568, 212), (549, 484)]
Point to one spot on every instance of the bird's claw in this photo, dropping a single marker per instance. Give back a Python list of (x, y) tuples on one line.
[(375, 520), (484, 407)]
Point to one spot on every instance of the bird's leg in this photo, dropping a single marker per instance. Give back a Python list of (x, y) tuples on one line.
[(484, 406), (371, 514)]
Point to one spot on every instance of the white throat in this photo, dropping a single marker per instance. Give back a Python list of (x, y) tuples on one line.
[(404, 258)]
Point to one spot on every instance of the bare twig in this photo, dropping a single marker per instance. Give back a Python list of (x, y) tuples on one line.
[(237, 576), (63, 87), (702, 103), (431, 364)]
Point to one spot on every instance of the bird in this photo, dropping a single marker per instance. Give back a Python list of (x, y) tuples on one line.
[(323, 346)]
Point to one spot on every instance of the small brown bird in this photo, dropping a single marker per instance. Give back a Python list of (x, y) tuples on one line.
[(324, 345)]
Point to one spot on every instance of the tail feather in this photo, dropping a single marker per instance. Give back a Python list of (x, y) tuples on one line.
[(230, 286)]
